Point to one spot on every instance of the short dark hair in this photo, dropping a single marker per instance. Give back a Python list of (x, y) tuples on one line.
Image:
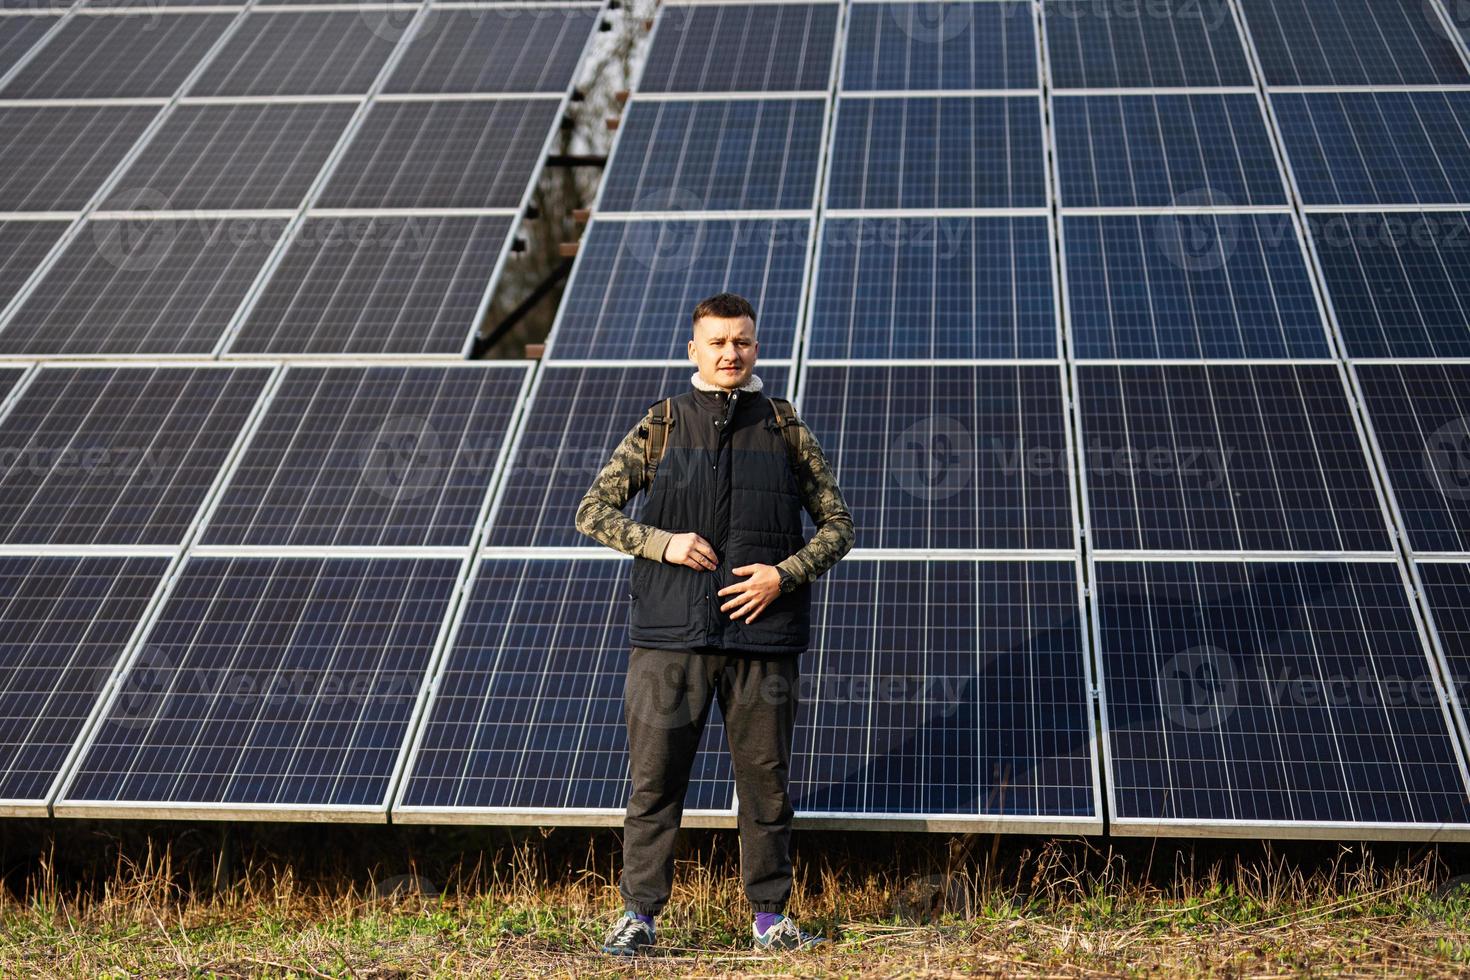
[(724, 306)]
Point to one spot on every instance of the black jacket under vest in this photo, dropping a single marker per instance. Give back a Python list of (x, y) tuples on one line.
[(724, 475)]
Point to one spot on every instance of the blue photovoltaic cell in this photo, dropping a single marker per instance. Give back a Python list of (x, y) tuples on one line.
[(934, 287), (952, 688), (1349, 148), (951, 456), (529, 709), (1164, 151), (272, 682), (65, 623), (1190, 284), (494, 49), (397, 284), (54, 158), (1399, 281), (1226, 457), (1447, 593), (1261, 693), (575, 419), (1420, 414), (763, 48), (1352, 42), (118, 455), (370, 456), (940, 45), (154, 286), (938, 152), (741, 154), (1159, 44), (636, 282)]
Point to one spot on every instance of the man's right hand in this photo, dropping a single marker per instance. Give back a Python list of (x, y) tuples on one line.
[(691, 550)]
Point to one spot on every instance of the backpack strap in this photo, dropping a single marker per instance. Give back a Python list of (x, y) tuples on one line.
[(659, 423), (790, 427)]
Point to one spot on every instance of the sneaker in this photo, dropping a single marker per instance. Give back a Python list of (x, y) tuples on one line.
[(784, 935), (627, 936)]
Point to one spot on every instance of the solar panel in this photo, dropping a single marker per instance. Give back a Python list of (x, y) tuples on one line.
[(388, 284), (1447, 594), (707, 155), (947, 456), (943, 45), (1398, 281), (636, 281), (115, 455), (1164, 150), (494, 49), (67, 620), (156, 286), (254, 155), (528, 711), (304, 52), (937, 152), (1281, 698), (1225, 457), (54, 158), (1352, 148), (574, 420), (118, 56), (23, 246), (766, 47), (269, 687), (950, 689), (1190, 284), (934, 287), (19, 34), (1163, 43), (445, 153), (370, 456), (1352, 42), (1420, 416)]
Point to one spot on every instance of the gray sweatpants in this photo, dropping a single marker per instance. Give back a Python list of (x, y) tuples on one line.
[(666, 703)]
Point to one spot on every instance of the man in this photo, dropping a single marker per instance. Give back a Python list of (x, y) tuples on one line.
[(720, 609)]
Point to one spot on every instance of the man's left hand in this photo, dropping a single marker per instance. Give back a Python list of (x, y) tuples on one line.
[(754, 594)]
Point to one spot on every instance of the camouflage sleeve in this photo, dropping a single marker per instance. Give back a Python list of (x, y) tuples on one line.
[(824, 501), (600, 515)]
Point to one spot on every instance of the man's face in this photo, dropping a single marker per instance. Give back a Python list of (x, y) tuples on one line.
[(724, 350)]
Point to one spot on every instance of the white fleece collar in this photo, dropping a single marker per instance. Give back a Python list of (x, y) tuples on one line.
[(753, 384)]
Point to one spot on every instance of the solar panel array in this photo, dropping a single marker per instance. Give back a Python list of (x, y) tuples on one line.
[(246, 461), (1137, 335)]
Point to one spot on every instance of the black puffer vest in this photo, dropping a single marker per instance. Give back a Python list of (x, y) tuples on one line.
[(724, 475)]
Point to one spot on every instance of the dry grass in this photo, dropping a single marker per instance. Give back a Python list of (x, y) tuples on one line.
[(533, 907)]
